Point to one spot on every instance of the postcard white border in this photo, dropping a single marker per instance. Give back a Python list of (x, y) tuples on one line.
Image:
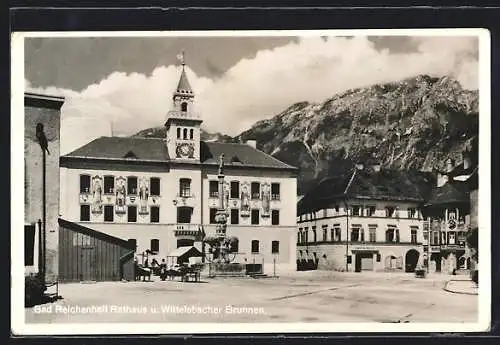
[(18, 325)]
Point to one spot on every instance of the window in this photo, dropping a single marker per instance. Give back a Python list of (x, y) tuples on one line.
[(370, 211), (108, 213), (443, 238), (413, 235), (185, 242), (185, 187), (390, 235), (372, 234), (275, 247), (325, 233), (191, 132), (412, 212), (155, 214), (356, 210), (132, 214), (314, 234), (255, 217), (355, 234), (275, 191), (337, 209), (389, 211), (155, 245), (84, 213), (132, 185), (451, 237), (213, 212), (178, 133), (184, 133), (184, 106), (184, 215), (306, 235), (155, 186), (109, 184), (255, 187), (275, 217), (235, 216), (435, 238), (235, 189), (397, 236), (255, 246), (133, 243), (213, 189), (298, 237), (84, 183), (362, 234)]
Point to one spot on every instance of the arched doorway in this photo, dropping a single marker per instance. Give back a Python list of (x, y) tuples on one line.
[(411, 260)]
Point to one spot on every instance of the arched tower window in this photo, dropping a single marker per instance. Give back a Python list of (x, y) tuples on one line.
[(178, 133), (185, 133), (184, 106), (191, 134)]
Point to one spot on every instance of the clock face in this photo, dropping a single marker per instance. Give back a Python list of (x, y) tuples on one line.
[(185, 150)]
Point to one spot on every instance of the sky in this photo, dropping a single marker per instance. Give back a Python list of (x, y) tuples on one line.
[(121, 85)]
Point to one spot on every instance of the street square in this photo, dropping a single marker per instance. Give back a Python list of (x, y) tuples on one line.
[(296, 297)]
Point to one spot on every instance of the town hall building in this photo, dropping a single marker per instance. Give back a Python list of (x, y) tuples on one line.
[(161, 193)]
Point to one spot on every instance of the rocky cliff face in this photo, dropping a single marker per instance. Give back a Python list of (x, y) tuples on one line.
[(418, 123)]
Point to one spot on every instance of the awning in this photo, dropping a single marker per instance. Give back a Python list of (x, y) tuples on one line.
[(183, 251)]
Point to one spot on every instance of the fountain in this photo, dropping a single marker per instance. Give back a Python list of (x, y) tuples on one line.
[(222, 245)]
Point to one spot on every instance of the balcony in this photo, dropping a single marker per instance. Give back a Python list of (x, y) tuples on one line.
[(175, 114), (186, 229), (187, 200)]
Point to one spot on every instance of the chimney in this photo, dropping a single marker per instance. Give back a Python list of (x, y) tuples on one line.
[(449, 165), (376, 166), (359, 166), (466, 160), (252, 143)]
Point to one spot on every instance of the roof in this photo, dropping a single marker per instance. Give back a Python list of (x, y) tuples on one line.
[(366, 184), (183, 251), (459, 170), (451, 192), (39, 100), (155, 150), (94, 233), (144, 149), (183, 87)]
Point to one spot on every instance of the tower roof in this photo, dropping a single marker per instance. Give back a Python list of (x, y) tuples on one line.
[(183, 87)]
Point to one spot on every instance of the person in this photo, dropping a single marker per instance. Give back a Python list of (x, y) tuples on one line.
[(146, 263)]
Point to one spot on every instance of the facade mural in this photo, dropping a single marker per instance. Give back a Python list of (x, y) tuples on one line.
[(96, 194), (120, 195), (266, 197), (143, 196), (245, 201)]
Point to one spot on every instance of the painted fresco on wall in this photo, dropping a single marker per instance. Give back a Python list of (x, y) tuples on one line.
[(143, 196), (226, 195), (245, 201), (96, 194), (266, 197), (120, 195)]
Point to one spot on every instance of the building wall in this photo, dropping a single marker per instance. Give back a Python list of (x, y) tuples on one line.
[(143, 231), (332, 256), (33, 207), (473, 208)]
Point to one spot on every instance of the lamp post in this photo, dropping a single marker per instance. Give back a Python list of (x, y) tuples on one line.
[(347, 237)]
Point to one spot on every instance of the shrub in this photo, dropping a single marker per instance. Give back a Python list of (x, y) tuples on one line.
[(33, 291)]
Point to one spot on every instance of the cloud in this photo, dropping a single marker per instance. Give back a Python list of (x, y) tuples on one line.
[(311, 69)]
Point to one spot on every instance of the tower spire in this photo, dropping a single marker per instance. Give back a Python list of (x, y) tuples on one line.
[(183, 87)]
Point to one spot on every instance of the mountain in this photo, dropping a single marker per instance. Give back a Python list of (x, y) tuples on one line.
[(415, 124), (159, 132)]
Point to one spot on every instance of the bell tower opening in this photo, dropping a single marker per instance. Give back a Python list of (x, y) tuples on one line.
[(184, 106)]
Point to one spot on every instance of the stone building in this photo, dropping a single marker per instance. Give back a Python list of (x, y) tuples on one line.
[(367, 219), (162, 194), (44, 110)]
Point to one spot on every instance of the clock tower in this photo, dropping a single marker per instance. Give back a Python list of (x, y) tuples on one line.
[(183, 123)]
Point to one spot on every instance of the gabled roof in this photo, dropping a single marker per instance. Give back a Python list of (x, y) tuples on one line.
[(145, 149), (391, 185), (452, 192), (154, 150), (245, 154)]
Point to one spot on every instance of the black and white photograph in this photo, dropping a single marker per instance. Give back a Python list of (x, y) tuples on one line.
[(251, 181)]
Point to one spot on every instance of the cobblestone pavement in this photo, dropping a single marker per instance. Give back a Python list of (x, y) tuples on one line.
[(295, 297)]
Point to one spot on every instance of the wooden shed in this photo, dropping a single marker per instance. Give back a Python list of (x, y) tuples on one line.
[(89, 255), (182, 254)]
